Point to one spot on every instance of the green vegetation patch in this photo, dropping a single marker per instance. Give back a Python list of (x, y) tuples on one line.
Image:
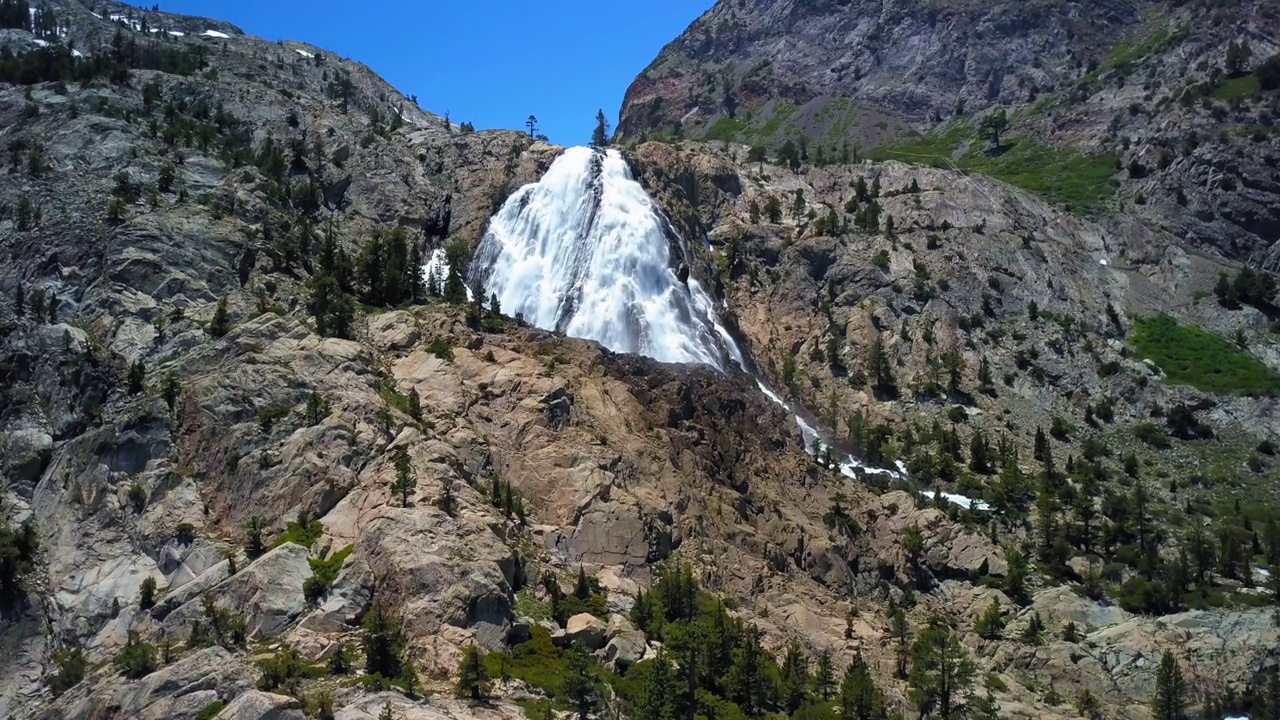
[(1240, 88), (1064, 176), (1131, 49), (1191, 356), (725, 129)]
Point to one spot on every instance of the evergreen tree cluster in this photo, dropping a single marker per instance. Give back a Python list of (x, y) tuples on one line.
[(503, 497), (220, 626), (57, 62), (390, 269), (18, 547), (1248, 287), (15, 14), (587, 597)]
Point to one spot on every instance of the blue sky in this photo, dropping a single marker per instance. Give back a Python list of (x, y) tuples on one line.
[(491, 62)]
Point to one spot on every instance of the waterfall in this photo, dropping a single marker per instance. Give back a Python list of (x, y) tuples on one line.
[(586, 252)]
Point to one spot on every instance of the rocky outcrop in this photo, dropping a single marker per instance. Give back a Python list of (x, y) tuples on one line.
[(254, 705), (181, 689), (1105, 79)]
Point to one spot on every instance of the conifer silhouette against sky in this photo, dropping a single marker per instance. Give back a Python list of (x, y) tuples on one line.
[(489, 62)]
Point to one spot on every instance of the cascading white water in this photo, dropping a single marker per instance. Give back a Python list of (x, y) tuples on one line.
[(585, 251)]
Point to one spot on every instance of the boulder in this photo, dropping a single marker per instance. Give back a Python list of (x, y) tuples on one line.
[(256, 705), (268, 591), (624, 650), (617, 625), (586, 629)]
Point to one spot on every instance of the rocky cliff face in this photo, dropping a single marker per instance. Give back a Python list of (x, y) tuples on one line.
[(1144, 87), (147, 435)]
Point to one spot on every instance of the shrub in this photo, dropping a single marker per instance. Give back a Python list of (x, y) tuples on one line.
[(1152, 435), (136, 659), (881, 259), (441, 349), (210, 711), (71, 670), (268, 416), (137, 496), (185, 533), (303, 531), (283, 670), (323, 572)]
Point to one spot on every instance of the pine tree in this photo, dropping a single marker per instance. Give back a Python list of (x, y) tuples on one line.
[(170, 390), (824, 677), (254, 546), (984, 377), (881, 373), (415, 404), (405, 481), (1238, 56), (941, 671), (795, 677), (1015, 577), (137, 377), (473, 677), (387, 713), (860, 699), (448, 502), (332, 308), (747, 684), (221, 324), (457, 258), (980, 454), (1033, 633), (954, 362), (656, 702), (581, 688), (1170, 700), (383, 641), (993, 126), (1271, 695), (991, 625), (901, 631), (147, 594), (600, 136)]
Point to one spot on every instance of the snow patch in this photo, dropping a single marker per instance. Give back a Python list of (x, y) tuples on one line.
[(304, 53), (1103, 262), (41, 43), (216, 34), (76, 53), (176, 33), (131, 23)]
